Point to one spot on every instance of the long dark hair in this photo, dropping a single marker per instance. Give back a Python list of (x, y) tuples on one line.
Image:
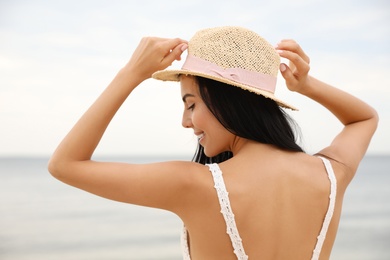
[(247, 115)]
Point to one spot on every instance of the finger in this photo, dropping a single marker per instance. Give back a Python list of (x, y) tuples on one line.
[(289, 44), (287, 74), (301, 66), (183, 47), (293, 46), (170, 44), (175, 54), (291, 81)]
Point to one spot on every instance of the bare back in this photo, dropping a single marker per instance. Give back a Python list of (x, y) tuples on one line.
[(279, 198), (279, 203)]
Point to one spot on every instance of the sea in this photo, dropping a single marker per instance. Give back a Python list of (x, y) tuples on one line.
[(42, 218)]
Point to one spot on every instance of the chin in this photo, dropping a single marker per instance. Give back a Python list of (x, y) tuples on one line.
[(209, 153)]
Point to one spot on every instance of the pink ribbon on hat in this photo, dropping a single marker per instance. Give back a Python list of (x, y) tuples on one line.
[(251, 78)]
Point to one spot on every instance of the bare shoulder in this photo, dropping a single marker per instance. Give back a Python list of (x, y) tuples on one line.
[(295, 166), (192, 182), (314, 167)]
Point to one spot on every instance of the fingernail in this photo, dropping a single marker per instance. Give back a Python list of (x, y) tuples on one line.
[(184, 47), (279, 51), (283, 67)]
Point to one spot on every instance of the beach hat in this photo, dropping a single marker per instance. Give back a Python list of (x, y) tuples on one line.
[(232, 55)]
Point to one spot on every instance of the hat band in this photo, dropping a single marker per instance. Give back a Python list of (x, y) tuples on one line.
[(251, 78)]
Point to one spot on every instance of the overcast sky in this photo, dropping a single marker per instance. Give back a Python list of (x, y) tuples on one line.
[(57, 56)]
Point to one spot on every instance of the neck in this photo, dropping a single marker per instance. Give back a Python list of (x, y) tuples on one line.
[(242, 146)]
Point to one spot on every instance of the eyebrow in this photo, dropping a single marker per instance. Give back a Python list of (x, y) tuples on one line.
[(186, 96)]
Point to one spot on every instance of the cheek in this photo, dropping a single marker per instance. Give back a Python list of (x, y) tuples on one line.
[(205, 120), (217, 139), (201, 116)]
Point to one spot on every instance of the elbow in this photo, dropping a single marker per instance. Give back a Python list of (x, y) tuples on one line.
[(52, 167), (375, 119), (370, 119), (55, 167), (376, 116)]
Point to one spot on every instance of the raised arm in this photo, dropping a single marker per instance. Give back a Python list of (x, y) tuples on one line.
[(71, 162), (359, 119)]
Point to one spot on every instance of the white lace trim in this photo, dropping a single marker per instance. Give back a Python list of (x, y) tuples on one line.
[(328, 217), (184, 244), (227, 212)]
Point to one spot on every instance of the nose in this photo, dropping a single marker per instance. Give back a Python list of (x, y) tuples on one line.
[(186, 121)]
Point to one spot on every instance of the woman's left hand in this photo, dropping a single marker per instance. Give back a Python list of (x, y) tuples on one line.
[(296, 74), (153, 54)]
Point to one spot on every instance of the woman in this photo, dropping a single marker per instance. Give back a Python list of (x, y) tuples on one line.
[(261, 197)]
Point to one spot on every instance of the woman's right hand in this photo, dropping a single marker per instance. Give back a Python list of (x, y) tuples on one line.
[(153, 54)]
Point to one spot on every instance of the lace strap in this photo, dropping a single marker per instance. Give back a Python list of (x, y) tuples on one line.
[(328, 217), (227, 212), (184, 244)]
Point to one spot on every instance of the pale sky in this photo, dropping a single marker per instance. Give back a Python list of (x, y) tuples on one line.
[(57, 56)]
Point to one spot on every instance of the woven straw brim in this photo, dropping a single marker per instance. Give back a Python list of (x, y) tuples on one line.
[(174, 75)]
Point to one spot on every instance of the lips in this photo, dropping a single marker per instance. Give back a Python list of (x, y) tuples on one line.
[(199, 135)]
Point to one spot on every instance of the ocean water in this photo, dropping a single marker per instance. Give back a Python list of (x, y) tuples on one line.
[(42, 218)]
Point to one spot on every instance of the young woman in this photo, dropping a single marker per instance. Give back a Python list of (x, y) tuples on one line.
[(251, 191)]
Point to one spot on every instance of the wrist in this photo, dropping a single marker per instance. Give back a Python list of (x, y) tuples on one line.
[(130, 77), (307, 87)]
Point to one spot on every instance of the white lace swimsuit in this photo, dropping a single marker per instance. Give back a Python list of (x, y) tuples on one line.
[(228, 215)]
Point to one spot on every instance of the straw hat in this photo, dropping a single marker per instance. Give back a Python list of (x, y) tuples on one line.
[(231, 55)]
